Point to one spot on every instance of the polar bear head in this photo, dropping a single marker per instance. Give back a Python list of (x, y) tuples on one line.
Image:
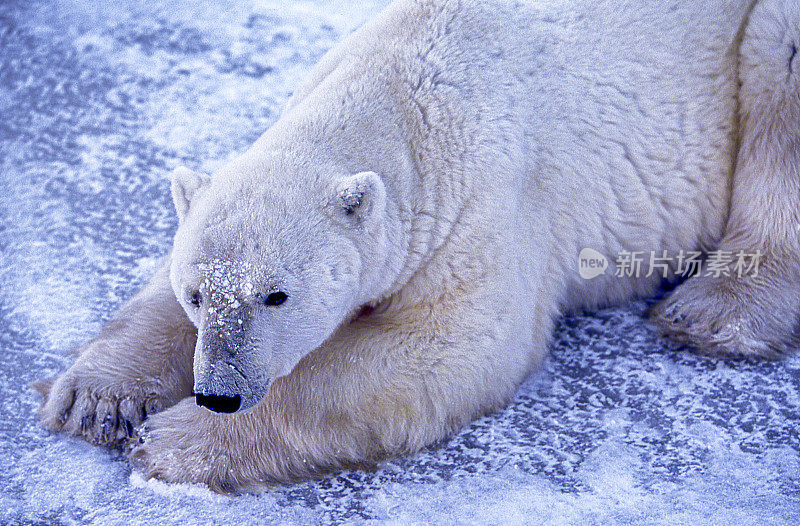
[(268, 267)]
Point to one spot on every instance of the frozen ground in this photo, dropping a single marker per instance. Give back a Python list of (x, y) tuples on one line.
[(98, 101)]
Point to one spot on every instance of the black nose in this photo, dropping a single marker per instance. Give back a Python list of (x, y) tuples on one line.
[(219, 404)]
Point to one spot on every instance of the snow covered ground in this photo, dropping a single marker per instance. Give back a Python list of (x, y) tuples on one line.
[(99, 100)]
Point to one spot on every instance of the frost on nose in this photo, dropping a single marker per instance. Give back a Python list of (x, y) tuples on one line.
[(221, 346), (228, 284), (225, 334)]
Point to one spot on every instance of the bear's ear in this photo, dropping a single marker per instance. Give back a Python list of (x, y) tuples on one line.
[(185, 184), (360, 197)]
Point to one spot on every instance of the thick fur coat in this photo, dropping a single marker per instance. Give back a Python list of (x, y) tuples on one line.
[(386, 262)]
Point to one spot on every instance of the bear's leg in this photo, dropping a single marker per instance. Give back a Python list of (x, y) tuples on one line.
[(139, 364), (380, 386), (756, 314)]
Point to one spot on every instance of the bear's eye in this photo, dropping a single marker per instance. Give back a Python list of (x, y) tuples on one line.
[(196, 298), (276, 298)]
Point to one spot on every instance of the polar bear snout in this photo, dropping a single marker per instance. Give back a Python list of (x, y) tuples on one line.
[(223, 393), (230, 372), (219, 403)]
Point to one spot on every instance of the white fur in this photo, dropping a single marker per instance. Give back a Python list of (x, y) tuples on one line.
[(185, 183), (443, 166), (501, 156)]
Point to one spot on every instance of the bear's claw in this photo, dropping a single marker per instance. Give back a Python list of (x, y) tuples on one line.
[(94, 413)]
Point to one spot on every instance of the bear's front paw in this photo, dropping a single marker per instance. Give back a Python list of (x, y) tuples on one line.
[(95, 404), (189, 444)]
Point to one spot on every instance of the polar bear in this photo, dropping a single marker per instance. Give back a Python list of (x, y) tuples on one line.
[(386, 262)]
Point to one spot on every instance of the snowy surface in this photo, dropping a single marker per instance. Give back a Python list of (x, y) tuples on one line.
[(99, 100)]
